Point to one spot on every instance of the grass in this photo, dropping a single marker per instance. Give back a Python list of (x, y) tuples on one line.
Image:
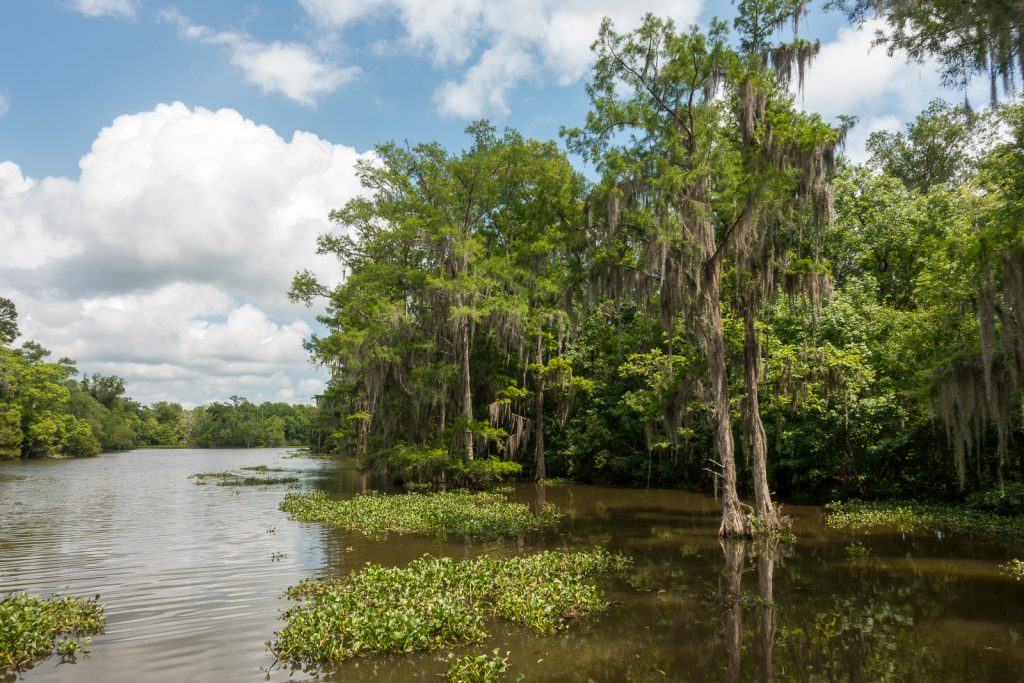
[(228, 478), (910, 516), (437, 602), (479, 515), (33, 628)]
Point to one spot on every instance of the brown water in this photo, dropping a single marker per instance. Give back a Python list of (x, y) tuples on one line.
[(191, 591)]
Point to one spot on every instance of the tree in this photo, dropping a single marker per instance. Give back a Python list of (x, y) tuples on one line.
[(8, 321), (708, 178), (939, 147), (460, 278)]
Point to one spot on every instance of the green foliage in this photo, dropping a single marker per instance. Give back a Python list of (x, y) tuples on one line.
[(1014, 568), (912, 516), (458, 513), (33, 628), (438, 602), (478, 668)]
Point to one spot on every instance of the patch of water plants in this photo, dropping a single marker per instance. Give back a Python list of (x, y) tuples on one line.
[(912, 516), (33, 628), (1014, 568), (470, 514), (243, 478), (479, 668), (438, 602)]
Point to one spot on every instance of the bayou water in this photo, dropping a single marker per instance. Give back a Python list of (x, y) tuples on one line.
[(192, 579)]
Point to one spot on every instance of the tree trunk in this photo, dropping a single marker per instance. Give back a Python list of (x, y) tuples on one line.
[(541, 469), (754, 440), (467, 390), (734, 523), (735, 553), (765, 589)]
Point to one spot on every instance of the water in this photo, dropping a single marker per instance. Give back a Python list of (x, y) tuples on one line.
[(192, 592)]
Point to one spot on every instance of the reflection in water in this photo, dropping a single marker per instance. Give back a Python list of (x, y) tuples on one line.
[(192, 594)]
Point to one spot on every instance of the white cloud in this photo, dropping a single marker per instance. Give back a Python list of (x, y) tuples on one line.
[(293, 69), (497, 44), (850, 76), (5, 103), (125, 9), (856, 139), (167, 261)]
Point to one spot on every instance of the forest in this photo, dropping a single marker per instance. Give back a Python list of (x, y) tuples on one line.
[(46, 409), (724, 303)]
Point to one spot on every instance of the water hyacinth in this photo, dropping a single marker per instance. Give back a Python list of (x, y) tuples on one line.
[(32, 628), (437, 602), (235, 479), (479, 515), (911, 516)]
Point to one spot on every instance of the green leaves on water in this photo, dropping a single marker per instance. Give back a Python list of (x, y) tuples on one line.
[(462, 513), (33, 628), (438, 602)]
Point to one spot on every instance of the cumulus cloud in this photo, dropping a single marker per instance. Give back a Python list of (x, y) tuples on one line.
[(124, 9), (498, 45), (292, 69), (167, 261)]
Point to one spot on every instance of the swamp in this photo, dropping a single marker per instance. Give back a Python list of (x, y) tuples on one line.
[(190, 592)]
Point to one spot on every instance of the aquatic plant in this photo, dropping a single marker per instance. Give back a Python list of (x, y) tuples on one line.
[(437, 602), (479, 668), (452, 513), (32, 628), (227, 478), (1014, 568), (856, 550), (911, 516)]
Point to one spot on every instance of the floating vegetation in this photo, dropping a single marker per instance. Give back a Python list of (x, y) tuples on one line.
[(856, 550), (479, 515), (479, 668), (277, 557), (909, 516), (227, 478), (33, 628), (556, 482), (1014, 568), (437, 602)]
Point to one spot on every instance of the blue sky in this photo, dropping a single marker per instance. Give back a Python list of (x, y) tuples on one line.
[(166, 165)]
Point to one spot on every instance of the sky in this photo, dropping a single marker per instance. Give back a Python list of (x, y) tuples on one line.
[(166, 165)]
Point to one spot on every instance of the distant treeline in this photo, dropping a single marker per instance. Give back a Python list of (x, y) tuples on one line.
[(45, 409)]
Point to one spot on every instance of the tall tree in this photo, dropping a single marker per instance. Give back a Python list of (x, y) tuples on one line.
[(707, 155)]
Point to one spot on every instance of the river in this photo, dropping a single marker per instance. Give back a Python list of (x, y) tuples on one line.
[(192, 578)]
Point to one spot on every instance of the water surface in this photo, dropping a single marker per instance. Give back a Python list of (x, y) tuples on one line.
[(192, 590)]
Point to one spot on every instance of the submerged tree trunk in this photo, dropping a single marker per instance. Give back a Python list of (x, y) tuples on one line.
[(734, 523), (467, 390), (754, 440), (541, 469)]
